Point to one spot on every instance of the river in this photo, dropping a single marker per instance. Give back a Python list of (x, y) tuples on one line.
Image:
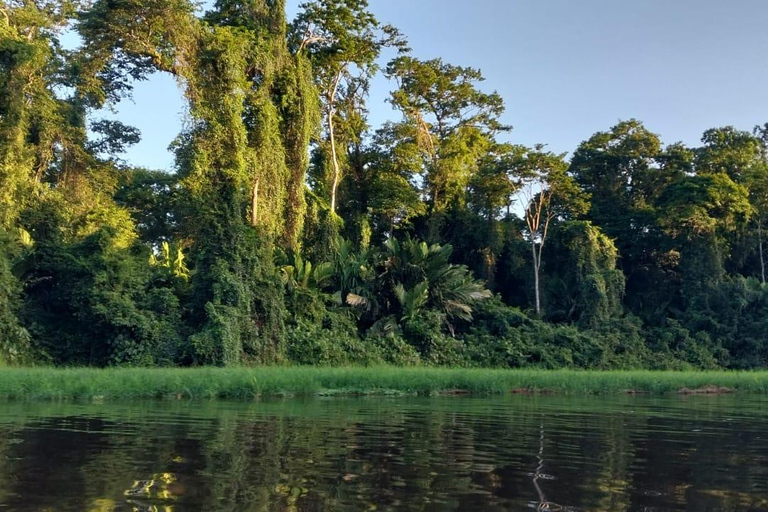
[(697, 453)]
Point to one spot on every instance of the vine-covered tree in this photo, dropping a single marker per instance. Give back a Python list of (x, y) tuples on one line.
[(289, 229)]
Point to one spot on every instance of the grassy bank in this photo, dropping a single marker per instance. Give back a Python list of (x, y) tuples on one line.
[(87, 383)]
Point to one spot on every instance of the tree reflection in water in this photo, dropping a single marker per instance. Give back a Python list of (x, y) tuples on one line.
[(543, 503), (389, 454)]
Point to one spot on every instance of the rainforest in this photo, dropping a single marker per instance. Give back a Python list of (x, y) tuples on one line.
[(292, 231)]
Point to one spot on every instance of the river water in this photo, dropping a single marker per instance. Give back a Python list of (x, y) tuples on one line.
[(698, 453)]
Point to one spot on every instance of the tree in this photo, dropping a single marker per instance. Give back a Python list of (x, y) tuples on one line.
[(40, 132), (391, 173), (626, 170), (241, 160), (152, 198), (492, 188), (619, 170), (15, 340), (757, 180), (480, 237), (729, 151), (548, 193), (342, 40), (585, 287), (700, 212), (392, 286), (426, 270), (453, 126)]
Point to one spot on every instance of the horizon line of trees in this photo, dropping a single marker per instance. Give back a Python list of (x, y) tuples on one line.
[(293, 231)]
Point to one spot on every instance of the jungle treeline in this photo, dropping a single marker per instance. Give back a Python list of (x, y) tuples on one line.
[(291, 231)]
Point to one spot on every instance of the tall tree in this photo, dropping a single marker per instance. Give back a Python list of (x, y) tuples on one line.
[(39, 130), (548, 193), (393, 170), (454, 124), (480, 238), (585, 286), (758, 197), (758, 191), (626, 170), (700, 212), (242, 158), (342, 39), (730, 151), (617, 168)]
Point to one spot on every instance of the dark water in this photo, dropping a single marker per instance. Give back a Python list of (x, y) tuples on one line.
[(512, 453)]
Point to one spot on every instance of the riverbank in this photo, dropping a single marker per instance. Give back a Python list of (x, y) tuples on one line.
[(249, 383)]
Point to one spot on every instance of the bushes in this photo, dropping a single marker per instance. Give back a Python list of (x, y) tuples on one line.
[(91, 302), (394, 349), (237, 308), (502, 336), (14, 338), (333, 342)]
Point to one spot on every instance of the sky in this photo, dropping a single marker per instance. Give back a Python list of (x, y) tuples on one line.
[(565, 68)]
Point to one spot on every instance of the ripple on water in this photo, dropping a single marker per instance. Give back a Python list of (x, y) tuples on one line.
[(545, 453)]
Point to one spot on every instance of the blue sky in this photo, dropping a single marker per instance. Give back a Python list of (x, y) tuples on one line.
[(566, 68)]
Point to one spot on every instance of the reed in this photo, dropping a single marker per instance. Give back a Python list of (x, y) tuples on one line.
[(247, 383)]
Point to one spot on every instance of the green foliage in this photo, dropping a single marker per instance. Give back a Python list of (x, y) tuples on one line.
[(549, 194), (291, 230), (703, 205), (152, 199), (172, 261), (92, 302), (15, 344), (342, 40), (238, 302), (380, 192), (333, 342), (394, 287), (584, 284), (452, 123)]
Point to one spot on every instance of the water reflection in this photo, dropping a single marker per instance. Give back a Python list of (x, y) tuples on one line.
[(519, 453)]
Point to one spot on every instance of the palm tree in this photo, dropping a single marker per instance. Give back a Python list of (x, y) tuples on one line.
[(411, 276), (300, 273)]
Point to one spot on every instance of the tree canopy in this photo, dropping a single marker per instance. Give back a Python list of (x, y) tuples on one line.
[(291, 230)]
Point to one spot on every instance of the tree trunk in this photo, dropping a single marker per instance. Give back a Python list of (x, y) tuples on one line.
[(536, 277), (332, 141), (762, 257), (334, 161), (489, 258), (255, 204)]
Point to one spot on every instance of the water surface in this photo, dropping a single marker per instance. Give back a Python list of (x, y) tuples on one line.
[(699, 453)]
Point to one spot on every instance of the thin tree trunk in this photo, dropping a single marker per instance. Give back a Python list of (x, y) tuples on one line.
[(334, 161), (255, 204), (536, 276), (489, 259), (332, 140), (762, 257)]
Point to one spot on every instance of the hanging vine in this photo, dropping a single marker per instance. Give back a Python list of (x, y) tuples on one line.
[(241, 159)]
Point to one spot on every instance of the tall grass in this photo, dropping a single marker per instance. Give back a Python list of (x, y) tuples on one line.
[(245, 383)]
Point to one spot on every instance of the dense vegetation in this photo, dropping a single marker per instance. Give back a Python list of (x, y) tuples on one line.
[(292, 231)]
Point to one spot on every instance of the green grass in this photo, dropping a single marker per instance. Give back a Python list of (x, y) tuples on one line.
[(246, 383)]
